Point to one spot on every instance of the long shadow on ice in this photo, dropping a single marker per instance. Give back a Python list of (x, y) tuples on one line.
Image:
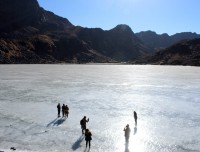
[(86, 150), (59, 121), (52, 122), (126, 147), (56, 122), (77, 144), (135, 130)]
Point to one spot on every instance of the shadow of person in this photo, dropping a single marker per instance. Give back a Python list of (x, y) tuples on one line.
[(135, 130), (86, 150), (59, 121), (126, 147), (52, 122), (77, 144)]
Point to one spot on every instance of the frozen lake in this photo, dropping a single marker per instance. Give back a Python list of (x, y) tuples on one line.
[(166, 99)]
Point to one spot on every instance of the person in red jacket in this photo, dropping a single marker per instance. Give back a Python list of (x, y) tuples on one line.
[(66, 111)]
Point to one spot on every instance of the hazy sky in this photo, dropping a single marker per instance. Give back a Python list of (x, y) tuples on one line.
[(161, 16)]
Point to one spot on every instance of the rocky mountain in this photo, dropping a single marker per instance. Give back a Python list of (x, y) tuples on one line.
[(119, 43), (30, 34), (160, 41), (183, 53)]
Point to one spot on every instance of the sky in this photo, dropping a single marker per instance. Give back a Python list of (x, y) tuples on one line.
[(161, 16)]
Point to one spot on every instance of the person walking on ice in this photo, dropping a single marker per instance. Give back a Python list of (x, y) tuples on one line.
[(88, 137), (63, 110), (127, 132), (66, 111), (58, 107), (83, 123), (135, 117)]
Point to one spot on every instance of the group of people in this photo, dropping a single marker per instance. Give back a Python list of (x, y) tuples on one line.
[(127, 129), (65, 110), (83, 121), (86, 131)]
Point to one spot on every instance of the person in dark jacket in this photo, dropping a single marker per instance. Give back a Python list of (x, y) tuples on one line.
[(83, 123), (58, 107), (63, 110), (127, 132), (135, 117), (66, 111), (88, 137)]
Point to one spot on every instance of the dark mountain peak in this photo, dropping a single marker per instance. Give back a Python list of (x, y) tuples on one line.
[(122, 28), (164, 35), (18, 14), (185, 35), (19, 3), (148, 32), (160, 41), (15, 14), (119, 43)]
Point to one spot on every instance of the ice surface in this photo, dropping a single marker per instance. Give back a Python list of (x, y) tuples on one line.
[(166, 98)]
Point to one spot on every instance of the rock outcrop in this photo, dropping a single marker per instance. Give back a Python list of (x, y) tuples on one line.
[(183, 53)]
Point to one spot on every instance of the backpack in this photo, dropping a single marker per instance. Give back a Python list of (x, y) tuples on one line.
[(81, 122)]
